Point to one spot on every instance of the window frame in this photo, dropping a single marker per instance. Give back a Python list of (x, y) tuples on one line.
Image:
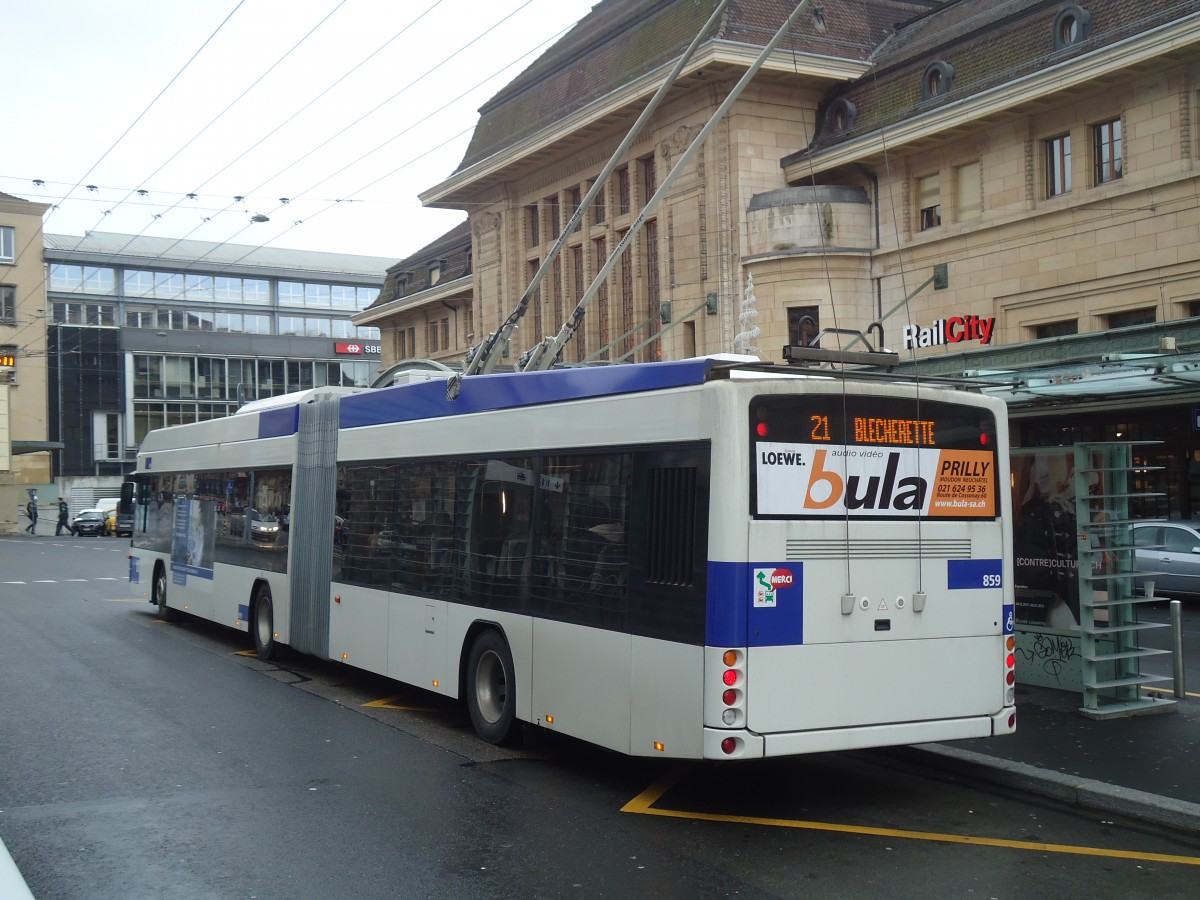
[(8, 304), (1058, 165), (929, 216), (1108, 152)]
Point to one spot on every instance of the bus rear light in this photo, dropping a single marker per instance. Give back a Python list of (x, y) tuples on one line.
[(1010, 697), (730, 717), (1010, 661), (730, 658), (730, 677), (660, 746), (1012, 721), (729, 745), (1011, 677), (730, 697), (1011, 644), (761, 429)]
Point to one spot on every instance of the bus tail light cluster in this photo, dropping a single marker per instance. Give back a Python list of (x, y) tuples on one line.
[(733, 696), (1010, 670)]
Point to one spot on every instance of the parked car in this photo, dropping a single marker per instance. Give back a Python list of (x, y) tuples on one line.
[(1168, 553), (120, 525), (90, 521), (264, 527)]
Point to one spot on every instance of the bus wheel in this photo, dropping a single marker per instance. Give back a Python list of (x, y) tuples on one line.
[(263, 624), (159, 594), (491, 689)]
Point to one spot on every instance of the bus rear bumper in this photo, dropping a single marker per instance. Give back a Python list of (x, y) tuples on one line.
[(749, 745)]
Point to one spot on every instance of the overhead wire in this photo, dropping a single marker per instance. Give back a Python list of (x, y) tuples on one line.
[(157, 97), (350, 198), (444, 106), (131, 126), (221, 114)]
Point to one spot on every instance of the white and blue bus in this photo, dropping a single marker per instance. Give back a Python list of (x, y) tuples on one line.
[(696, 559)]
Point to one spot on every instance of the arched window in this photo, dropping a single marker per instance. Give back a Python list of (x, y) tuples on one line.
[(841, 115), (937, 80), (1072, 26)]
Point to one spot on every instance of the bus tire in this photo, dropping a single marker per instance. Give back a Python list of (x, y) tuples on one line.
[(262, 624), (491, 689), (158, 593)]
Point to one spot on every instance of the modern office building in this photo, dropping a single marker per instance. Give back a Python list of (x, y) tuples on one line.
[(144, 332)]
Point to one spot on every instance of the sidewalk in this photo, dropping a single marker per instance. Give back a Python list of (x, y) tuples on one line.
[(1143, 767)]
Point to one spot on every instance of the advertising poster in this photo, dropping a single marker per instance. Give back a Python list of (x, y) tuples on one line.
[(193, 539), (874, 481), (1046, 566)]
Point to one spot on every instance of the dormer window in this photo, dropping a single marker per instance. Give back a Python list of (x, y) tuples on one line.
[(1071, 26), (937, 80), (435, 273), (841, 116)]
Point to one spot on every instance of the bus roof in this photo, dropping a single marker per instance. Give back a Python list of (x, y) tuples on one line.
[(510, 390)]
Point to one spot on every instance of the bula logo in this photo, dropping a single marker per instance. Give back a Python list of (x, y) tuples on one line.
[(949, 331), (827, 488)]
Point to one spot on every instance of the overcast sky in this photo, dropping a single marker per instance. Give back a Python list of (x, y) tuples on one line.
[(102, 93)]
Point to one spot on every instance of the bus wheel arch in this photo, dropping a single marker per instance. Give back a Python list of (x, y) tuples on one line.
[(490, 684), (158, 594), (262, 621)]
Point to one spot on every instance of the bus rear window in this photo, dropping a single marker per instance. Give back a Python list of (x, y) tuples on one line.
[(871, 457)]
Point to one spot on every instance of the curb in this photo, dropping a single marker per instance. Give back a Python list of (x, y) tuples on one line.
[(1073, 790)]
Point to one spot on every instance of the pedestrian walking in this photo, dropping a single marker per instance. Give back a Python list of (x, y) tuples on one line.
[(31, 511), (63, 520)]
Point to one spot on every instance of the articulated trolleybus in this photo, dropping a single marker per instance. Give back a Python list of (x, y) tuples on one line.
[(698, 559)]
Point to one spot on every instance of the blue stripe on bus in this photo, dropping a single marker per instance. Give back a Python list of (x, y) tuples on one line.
[(427, 399), (968, 574), (735, 619), (279, 422)]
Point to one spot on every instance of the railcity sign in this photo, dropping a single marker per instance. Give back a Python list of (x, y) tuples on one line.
[(950, 330)]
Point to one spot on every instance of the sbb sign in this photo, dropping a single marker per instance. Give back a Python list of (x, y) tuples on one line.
[(356, 348)]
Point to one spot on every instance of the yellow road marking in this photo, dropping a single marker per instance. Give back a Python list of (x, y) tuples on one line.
[(643, 804), (390, 703)]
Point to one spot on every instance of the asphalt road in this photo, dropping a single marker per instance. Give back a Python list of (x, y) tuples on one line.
[(146, 759)]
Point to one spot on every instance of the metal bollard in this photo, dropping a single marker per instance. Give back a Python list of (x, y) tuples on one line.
[(1177, 648)]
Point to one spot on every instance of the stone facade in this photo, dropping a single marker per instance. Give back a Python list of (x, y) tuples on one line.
[(23, 392), (846, 174)]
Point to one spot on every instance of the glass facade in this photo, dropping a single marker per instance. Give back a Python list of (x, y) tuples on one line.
[(134, 391), (171, 389)]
